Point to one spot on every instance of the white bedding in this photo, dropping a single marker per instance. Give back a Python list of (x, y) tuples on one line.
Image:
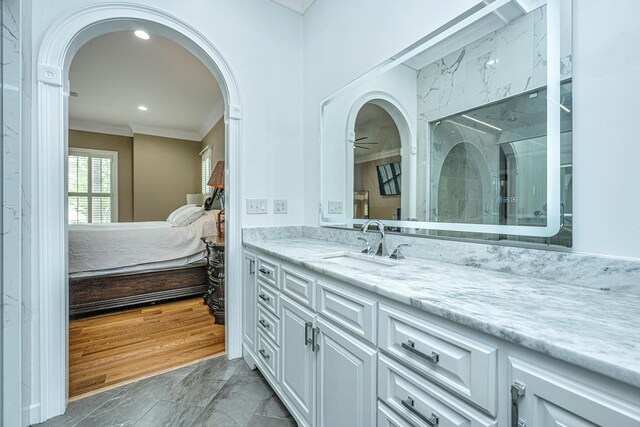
[(96, 247)]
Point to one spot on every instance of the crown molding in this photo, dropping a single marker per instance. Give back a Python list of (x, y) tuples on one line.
[(87, 126), (298, 6), (378, 156), (165, 133), (216, 115)]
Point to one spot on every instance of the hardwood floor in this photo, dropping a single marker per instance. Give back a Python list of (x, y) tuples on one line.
[(118, 348)]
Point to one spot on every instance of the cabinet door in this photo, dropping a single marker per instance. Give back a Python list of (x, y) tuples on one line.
[(298, 358), (551, 399), (346, 375), (249, 300)]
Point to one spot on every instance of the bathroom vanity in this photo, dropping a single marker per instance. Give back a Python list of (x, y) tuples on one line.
[(466, 134), (348, 339)]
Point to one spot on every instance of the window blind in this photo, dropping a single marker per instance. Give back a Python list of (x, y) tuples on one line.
[(205, 169), (91, 186)]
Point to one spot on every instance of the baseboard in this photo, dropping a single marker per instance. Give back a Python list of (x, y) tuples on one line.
[(32, 413)]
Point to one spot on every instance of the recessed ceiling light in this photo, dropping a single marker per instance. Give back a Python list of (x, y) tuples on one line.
[(482, 123), (142, 108), (141, 34)]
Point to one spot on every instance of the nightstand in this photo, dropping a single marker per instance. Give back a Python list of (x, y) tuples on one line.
[(214, 296)]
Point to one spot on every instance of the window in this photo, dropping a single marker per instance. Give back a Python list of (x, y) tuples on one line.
[(205, 169), (92, 186)]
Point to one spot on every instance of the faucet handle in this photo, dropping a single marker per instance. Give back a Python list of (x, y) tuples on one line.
[(396, 254), (367, 249)]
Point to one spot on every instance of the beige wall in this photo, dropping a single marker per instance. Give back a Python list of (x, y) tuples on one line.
[(124, 146), (365, 177), (215, 140), (165, 170)]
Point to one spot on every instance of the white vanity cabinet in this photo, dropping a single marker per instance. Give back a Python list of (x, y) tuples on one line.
[(542, 396), (249, 305), (298, 357), (338, 355), (346, 376), (324, 374)]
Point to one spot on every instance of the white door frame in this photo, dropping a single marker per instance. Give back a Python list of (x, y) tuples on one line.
[(50, 246), (408, 144)]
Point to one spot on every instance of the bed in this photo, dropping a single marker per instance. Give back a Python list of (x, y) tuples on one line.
[(122, 264)]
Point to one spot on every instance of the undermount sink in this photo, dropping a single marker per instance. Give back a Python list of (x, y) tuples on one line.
[(361, 261)]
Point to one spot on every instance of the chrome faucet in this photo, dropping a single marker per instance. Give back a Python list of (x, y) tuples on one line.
[(382, 248)]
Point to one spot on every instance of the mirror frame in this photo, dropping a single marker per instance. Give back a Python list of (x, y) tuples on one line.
[(460, 23)]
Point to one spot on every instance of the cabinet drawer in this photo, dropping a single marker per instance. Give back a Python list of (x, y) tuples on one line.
[(349, 309), (463, 365), (553, 399), (268, 357), (422, 402), (388, 418), (298, 286), (268, 297), (268, 271), (268, 324)]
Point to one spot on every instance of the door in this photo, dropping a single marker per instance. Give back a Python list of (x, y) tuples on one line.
[(298, 358), (550, 399), (249, 300), (346, 376)]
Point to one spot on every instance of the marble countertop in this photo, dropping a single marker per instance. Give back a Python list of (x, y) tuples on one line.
[(595, 329)]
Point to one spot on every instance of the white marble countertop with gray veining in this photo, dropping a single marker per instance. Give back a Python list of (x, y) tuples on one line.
[(595, 329)]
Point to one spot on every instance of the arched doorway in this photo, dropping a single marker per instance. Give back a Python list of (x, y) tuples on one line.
[(49, 275), (460, 195), (400, 117)]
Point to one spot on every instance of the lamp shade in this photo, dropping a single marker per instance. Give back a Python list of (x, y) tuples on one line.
[(217, 177)]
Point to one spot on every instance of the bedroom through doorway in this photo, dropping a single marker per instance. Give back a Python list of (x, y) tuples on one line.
[(145, 211)]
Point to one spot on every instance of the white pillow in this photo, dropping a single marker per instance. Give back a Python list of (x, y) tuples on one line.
[(187, 216), (173, 214)]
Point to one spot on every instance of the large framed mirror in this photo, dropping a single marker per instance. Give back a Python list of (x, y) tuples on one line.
[(467, 133)]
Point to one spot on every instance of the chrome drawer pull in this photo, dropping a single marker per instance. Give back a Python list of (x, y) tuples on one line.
[(314, 336), (265, 271), (307, 326), (264, 354), (411, 346), (409, 403), (517, 391), (264, 323), (264, 297)]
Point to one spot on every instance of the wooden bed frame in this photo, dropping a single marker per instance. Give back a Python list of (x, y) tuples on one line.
[(98, 293)]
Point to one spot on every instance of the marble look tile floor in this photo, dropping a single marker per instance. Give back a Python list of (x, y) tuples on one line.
[(216, 392)]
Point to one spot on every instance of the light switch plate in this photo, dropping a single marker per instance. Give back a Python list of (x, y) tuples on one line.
[(256, 206), (335, 207), (280, 206)]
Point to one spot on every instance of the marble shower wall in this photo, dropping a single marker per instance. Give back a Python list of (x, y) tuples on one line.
[(16, 203), (504, 63), (12, 304)]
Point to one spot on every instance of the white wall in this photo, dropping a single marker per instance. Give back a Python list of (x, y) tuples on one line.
[(345, 39), (606, 141)]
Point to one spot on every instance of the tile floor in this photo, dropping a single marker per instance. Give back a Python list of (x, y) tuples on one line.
[(216, 392)]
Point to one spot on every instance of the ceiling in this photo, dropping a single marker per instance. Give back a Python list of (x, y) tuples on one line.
[(299, 6), (115, 73), (379, 132)]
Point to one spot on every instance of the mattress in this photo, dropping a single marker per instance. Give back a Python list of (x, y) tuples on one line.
[(105, 248)]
